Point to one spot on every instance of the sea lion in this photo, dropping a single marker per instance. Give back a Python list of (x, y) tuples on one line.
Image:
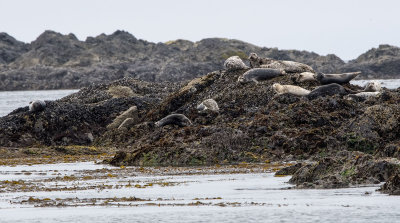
[(327, 90), (208, 104), (234, 63), (259, 74), (305, 76), (37, 105), (290, 89), (174, 119), (362, 96), (373, 86), (343, 78), (287, 66)]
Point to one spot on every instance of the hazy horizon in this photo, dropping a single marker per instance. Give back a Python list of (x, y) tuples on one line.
[(346, 29)]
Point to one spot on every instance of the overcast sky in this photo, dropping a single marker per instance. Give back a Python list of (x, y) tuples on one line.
[(346, 28)]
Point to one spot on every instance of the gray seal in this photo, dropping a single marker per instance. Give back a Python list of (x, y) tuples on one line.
[(343, 78), (327, 90), (234, 63), (260, 74), (287, 66), (37, 105), (174, 119)]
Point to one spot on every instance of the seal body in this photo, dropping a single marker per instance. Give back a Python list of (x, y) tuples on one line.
[(287, 66), (260, 74), (174, 119), (327, 90), (343, 78), (305, 76), (208, 104), (37, 105), (132, 112), (362, 96), (234, 63), (290, 89), (373, 86)]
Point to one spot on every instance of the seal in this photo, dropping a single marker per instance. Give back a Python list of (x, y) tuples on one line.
[(373, 86), (260, 74), (37, 105), (287, 66), (327, 90), (290, 89), (126, 124), (343, 78), (234, 63), (305, 76), (208, 104), (174, 119), (362, 96), (132, 112)]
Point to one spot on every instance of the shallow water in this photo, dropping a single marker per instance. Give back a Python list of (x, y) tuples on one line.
[(243, 197), (10, 100)]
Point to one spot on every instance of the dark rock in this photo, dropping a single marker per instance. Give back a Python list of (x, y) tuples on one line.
[(290, 170), (392, 186)]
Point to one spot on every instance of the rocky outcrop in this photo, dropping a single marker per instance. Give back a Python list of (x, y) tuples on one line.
[(381, 62), (80, 118), (344, 142), (56, 61), (10, 49)]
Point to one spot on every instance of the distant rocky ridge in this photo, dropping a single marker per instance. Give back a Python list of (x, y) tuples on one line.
[(56, 61)]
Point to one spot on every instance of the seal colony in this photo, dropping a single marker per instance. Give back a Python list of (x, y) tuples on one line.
[(277, 116)]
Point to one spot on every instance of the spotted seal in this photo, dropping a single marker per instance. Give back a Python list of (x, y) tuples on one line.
[(287, 66), (260, 74), (37, 105), (373, 86), (290, 89), (343, 78), (234, 63), (174, 119), (208, 104)]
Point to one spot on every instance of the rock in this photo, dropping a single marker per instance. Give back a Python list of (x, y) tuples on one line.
[(392, 186), (120, 91), (80, 118), (289, 170)]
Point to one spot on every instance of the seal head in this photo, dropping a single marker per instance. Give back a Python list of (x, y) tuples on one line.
[(37, 105)]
